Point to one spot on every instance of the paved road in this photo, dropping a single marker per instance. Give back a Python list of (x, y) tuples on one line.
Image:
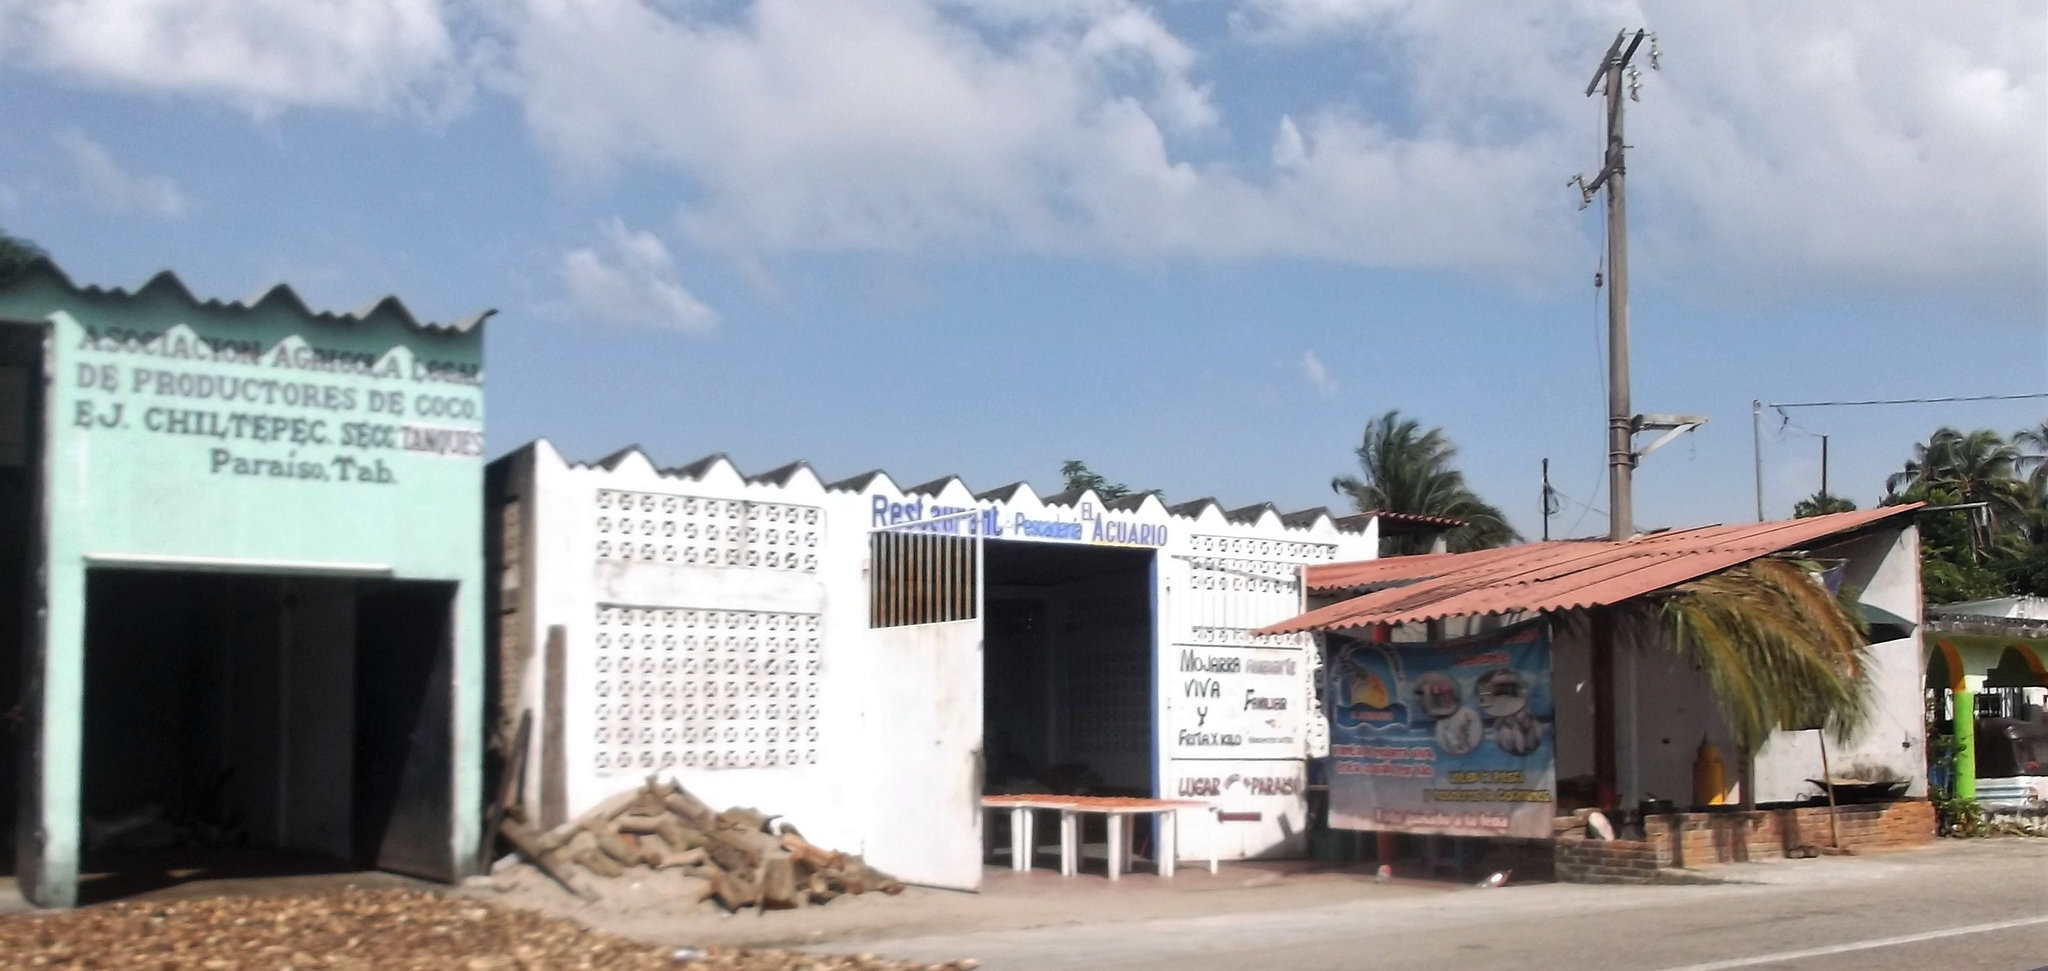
[(1972, 905)]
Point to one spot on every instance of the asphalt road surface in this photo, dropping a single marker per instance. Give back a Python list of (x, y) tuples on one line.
[(1980, 904)]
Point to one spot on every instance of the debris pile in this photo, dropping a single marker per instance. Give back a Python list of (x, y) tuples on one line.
[(371, 930), (737, 857)]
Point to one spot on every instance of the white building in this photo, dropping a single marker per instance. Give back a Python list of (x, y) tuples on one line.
[(867, 659)]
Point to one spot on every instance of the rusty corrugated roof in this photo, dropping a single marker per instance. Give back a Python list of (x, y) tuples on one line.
[(1540, 577)]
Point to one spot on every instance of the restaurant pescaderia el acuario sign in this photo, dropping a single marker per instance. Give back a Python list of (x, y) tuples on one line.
[(1449, 737)]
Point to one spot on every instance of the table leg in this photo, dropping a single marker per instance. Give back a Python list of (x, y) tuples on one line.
[(1168, 851), (1030, 839), (1070, 843), (1215, 839), (1116, 844), (1130, 825), (1017, 817)]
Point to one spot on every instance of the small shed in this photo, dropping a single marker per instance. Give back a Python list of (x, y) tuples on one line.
[(247, 539), (1489, 694)]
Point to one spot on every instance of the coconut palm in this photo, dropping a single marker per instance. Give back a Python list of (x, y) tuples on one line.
[(1778, 650), (2032, 444), (1408, 470), (1977, 466), (1821, 504)]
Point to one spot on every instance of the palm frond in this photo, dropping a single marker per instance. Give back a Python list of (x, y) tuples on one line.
[(1778, 650)]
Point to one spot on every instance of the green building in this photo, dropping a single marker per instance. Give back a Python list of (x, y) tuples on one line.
[(241, 550)]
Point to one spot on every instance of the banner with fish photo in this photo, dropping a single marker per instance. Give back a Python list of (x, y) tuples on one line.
[(1451, 737)]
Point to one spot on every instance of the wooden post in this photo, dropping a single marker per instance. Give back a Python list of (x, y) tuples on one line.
[(554, 775), (1827, 777), (1605, 777)]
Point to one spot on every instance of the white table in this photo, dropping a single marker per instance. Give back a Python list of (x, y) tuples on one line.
[(1119, 813)]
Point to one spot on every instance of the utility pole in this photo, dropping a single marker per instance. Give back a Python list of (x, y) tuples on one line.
[(1756, 439), (1549, 503), (1824, 473), (1614, 72)]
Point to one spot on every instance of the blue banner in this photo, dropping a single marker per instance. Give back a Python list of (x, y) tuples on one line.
[(1452, 737)]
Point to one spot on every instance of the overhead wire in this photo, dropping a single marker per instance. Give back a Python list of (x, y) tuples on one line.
[(1909, 401), (1599, 366)]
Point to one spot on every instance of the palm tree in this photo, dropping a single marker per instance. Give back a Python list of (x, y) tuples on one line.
[(1079, 476), (1821, 504), (2032, 444), (1777, 649), (1408, 470), (1978, 466)]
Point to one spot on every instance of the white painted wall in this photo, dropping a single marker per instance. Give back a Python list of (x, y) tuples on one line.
[(1218, 578), (1661, 721), (1885, 567)]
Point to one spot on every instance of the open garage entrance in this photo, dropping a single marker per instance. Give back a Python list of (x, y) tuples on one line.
[(264, 723), (1067, 686), (21, 369)]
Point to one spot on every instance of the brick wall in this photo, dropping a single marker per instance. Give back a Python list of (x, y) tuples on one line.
[(1695, 839), (1582, 860)]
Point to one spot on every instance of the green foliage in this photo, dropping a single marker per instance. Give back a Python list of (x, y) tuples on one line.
[(16, 253), (1079, 476), (1777, 649), (1954, 816), (1821, 504), (1408, 470), (1991, 550)]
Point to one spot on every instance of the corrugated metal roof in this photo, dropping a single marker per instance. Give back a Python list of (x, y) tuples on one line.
[(1416, 518), (166, 283), (1541, 577)]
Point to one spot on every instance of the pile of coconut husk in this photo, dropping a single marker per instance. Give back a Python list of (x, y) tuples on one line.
[(364, 929), (739, 857)]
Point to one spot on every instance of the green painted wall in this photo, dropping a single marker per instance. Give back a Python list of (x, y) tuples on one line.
[(262, 435)]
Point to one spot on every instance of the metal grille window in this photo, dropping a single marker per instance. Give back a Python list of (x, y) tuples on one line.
[(920, 577)]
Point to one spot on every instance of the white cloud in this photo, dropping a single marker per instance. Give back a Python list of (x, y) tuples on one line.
[(630, 281), (1318, 375), (1793, 146), (260, 55), (113, 189), (1796, 147)]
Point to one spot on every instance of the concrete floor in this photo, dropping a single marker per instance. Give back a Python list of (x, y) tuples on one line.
[(1980, 904)]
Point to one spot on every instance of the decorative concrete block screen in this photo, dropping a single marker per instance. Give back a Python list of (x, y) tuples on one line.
[(677, 687), (700, 531)]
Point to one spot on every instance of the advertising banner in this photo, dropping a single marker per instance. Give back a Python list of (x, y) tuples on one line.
[(1452, 737)]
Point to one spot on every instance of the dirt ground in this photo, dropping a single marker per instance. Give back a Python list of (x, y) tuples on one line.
[(187, 924), (1007, 901)]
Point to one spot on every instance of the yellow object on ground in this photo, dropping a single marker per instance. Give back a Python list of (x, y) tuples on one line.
[(1709, 777)]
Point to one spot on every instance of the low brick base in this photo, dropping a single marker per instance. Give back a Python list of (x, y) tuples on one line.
[(1695, 839)]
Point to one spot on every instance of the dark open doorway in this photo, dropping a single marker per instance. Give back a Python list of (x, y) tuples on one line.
[(21, 371), (1068, 669), (263, 723)]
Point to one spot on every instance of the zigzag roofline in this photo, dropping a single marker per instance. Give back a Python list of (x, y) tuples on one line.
[(782, 475), (166, 283)]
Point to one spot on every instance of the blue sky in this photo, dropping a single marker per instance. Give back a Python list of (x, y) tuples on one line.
[(1196, 244)]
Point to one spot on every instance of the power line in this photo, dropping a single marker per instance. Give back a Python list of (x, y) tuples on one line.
[(1912, 401)]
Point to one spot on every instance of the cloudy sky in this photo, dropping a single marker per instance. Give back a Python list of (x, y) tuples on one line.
[(1196, 244)]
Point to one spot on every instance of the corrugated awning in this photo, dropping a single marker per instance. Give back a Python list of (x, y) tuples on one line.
[(1542, 577)]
